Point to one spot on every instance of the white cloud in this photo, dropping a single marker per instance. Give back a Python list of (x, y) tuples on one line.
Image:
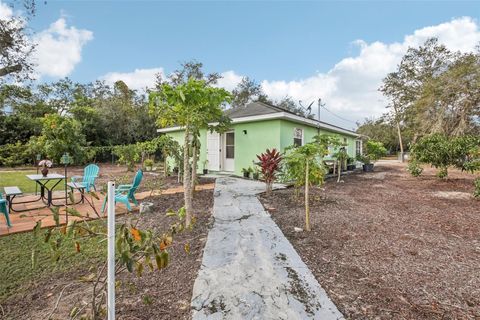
[(229, 80), (5, 11), (350, 88), (59, 48), (138, 79)]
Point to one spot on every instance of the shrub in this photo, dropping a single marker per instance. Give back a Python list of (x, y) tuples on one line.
[(148, 163), (14, 154), (127, 155), (443, 152), (374, 151), (269, 164), (414, 168)]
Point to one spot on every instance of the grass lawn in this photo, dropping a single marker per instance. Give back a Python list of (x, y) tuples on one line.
[(19, 179), (16, 272)]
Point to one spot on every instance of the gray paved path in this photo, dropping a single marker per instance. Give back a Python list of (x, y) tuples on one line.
[(249, 269)]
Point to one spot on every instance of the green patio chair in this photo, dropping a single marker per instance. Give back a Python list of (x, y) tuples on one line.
[(4, 209), (90, 173), (126, 192)]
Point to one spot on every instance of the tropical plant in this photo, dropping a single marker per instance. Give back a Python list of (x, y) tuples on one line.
[(304, 166), (193, 104), (269, 164), (342, 157)]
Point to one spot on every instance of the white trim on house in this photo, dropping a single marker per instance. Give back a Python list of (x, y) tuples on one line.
[(279, 115)]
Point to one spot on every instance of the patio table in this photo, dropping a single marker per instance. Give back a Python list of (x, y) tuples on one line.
[(43, 182)]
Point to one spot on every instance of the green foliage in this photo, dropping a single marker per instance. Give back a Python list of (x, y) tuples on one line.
[(294, 164), (414, 168), (384, 130), (127, 155), (375, 150), (60, 135), (193, 104), (12, 155), (148, 163), (441, 152)]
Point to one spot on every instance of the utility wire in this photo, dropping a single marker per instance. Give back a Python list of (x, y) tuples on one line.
[(336, 115)]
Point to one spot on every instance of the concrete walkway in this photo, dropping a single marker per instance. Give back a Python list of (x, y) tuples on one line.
[(249, 269)]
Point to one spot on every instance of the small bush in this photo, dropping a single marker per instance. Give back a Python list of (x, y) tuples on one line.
[(14, 154), (414, 168), (127, 155)]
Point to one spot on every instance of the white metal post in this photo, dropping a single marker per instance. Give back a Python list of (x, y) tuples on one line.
[(111, 251)]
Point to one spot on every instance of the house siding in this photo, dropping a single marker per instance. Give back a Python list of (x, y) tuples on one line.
[(288, 127), (259, 136)]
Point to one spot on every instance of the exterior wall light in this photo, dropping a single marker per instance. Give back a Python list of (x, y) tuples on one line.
[(244, 131)]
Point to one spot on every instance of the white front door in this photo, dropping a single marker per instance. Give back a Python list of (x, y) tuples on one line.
[(213, 150), (229, 151)]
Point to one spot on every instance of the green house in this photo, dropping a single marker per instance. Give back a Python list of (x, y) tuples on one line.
[(254, 128)]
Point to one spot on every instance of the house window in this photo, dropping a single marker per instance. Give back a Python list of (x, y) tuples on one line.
[(358, 147), (297, 137)]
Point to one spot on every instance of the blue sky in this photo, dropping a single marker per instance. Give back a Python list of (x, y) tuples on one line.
[(303, 49)]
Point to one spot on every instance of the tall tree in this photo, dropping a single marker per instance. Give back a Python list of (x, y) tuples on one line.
[(192, 105), (15, 45), (449, 103), (404, 86), (247, 91)]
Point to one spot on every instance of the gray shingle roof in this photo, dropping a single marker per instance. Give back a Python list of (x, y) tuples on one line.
[(252, 109)]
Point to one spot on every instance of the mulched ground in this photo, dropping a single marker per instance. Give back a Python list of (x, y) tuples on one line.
[(162, 294), (386, 245)]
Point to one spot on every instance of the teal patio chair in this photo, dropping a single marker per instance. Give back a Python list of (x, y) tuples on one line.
[(4, 209), (90, 173), (126, 192)]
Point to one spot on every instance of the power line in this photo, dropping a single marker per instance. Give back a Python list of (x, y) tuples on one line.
[(336, 115)]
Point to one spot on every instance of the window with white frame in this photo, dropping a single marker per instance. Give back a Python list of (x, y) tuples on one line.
[(297, 137)]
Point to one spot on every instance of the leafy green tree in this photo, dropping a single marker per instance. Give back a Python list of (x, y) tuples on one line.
[(442, 152), (449, 103), (404, 86), (247, 91), (374, 150), (192, 105), (60, 135), (128, 155), (16, 46), (383, 130)]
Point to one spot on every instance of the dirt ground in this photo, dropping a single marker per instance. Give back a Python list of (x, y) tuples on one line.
[(157, 294), (386, 245)]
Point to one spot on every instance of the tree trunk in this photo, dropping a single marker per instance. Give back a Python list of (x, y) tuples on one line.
[(165, 166), (400, 141), (339, 171), (187, 185), (307, 205), (194, 168)]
